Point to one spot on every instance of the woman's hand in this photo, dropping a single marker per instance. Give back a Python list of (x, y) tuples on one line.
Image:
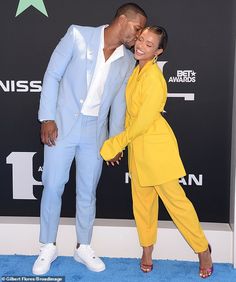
[(116, 159)]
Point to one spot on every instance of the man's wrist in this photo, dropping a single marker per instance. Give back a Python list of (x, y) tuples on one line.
[(46, 121)]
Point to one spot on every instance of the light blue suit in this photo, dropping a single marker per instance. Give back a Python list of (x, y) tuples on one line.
[(65, 86)]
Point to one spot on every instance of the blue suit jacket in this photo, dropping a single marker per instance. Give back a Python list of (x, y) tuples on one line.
[(67, 79)]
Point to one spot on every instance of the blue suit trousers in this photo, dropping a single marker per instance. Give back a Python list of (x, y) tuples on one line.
[(80, 144)]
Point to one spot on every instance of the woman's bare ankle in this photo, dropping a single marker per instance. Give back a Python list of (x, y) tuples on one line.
[(147, 255)]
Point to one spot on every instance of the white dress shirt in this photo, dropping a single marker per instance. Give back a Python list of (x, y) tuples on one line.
[(92, 102)]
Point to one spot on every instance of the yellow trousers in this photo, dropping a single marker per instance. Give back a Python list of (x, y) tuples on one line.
[(181, 210)]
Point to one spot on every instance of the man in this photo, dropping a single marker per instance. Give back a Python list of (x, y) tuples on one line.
[(85, 80)]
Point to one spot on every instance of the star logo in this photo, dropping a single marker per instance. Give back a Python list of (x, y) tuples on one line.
[(25, 4)]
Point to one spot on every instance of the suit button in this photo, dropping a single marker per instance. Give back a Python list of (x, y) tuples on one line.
[(81, 101), (76, 114)]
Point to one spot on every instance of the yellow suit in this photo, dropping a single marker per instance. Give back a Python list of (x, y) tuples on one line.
[(151, 141), (154, 161)]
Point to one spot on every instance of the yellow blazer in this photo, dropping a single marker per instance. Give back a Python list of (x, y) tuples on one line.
[(151, 141)]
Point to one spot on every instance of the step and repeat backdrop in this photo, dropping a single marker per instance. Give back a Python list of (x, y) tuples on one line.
[(198, 67)]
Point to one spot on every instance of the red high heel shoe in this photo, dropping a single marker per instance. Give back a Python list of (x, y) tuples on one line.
[(206, 272), (146, 267)]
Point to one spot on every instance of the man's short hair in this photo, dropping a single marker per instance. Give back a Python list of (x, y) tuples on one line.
[(128, 9)]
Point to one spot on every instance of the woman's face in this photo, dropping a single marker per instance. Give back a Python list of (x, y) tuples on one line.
[(146, 46)]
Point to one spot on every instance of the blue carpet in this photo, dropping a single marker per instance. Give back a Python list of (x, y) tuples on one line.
[(117, 270)]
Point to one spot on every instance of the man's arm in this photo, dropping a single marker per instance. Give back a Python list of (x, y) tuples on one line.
[(117, 114), (48, 100), (118, 107)]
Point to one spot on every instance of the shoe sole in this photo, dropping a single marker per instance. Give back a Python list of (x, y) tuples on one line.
[(42, 273), (78, 259)]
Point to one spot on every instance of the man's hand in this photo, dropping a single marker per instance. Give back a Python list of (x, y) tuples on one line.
[(116, 159), (49, 132)]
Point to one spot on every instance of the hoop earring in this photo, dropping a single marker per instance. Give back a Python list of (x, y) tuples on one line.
[(154, 60)]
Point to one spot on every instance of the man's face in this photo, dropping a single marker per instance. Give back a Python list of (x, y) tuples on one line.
[(131, 29)]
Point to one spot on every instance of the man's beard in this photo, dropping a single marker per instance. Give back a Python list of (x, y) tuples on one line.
[(129, 45)]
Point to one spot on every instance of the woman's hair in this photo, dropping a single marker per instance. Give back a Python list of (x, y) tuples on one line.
[(161, 32)]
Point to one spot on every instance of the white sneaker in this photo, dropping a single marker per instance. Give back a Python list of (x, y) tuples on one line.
[(48, 253), (86, 255)]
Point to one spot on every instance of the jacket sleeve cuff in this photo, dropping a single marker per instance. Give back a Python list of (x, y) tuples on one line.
[(109, 150)]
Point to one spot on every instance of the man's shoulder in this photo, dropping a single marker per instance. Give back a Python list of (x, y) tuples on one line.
[(129, 55), (84, 33), (84, 29)]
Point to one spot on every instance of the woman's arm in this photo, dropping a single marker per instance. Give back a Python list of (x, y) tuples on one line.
[(152, 101)]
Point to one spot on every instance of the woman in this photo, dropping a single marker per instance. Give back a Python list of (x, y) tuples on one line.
[(154, 161)]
